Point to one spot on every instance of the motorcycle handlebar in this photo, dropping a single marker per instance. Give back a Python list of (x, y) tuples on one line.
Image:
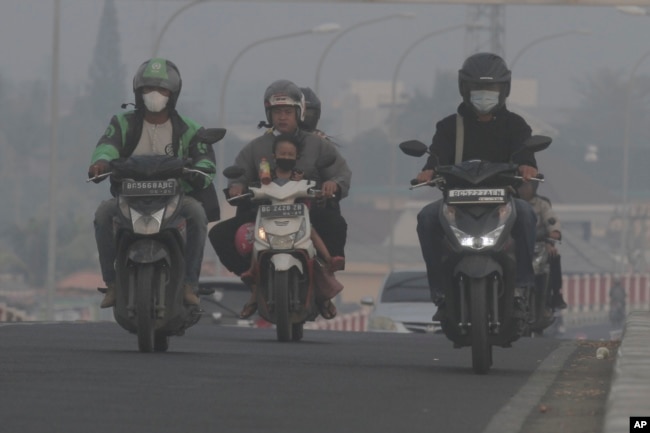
[(99, 177)]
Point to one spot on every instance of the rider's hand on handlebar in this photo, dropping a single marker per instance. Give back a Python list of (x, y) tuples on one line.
[(527, 172), (425, 176), (97, 169), (329, 188)]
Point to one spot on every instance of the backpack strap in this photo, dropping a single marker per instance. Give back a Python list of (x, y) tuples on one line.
[(460, 139)]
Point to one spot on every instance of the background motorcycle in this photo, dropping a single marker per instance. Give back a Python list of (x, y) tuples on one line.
[(539, 302), (477, 216), (288, 269), (150, 240)]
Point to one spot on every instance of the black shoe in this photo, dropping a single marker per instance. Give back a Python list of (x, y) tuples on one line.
[(558, 302), (439, 301), (440, 314)]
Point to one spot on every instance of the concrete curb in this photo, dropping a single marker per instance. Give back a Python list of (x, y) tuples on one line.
[(629, 394)]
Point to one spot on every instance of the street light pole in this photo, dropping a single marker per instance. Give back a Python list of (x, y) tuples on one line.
[(169, 21), (52, 208), (545, 38), (392, 135), (346, 31), (626, 161)]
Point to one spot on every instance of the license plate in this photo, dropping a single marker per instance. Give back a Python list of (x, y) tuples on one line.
[(282, 210), (474, 196), (148, 187)]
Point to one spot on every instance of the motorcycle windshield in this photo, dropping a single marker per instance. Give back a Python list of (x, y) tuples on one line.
[(475, 172), (147, 167)]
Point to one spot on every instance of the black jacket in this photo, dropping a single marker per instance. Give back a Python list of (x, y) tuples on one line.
[(494, 141)]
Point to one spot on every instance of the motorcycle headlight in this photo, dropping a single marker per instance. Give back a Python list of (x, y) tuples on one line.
[(284, 242), (146, 224), (478, 242)]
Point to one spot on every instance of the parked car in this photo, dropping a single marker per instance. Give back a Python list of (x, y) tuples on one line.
[(222, 298), (404, 304)]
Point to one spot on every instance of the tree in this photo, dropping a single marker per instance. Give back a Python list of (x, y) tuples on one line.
[(105, 91)]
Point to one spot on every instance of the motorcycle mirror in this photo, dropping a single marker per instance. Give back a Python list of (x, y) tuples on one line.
[(325, 161), (233, 172), (211, 135), (413, 148), (536, 143)]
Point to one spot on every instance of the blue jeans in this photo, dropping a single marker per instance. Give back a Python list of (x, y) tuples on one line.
[(430, 234), (197, 227)]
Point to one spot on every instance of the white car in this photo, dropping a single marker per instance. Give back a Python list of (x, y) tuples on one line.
[(404, 304)]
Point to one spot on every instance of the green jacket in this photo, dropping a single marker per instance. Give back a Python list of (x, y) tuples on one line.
[(123, 133)]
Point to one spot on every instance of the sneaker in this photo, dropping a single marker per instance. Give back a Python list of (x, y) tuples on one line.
[(109, 297), (558, 301), (189, 297)]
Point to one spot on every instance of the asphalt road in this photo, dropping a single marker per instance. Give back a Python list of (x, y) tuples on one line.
[(89, 377)]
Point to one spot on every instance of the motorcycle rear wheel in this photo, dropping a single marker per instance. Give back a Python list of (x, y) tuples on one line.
[(481, 347), (144, 307)]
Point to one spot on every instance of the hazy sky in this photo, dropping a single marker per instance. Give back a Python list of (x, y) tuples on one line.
[(205, 39)]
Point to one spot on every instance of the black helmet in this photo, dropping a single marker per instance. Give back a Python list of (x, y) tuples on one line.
[(483, 69), (284, 93), (157, 72), (312, 109)]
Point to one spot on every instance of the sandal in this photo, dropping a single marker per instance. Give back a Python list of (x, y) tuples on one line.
[(327, 309), (249, 309)]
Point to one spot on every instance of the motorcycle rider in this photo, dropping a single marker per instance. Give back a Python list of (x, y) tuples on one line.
[(490, 132), (549, 226), (154, 127), (285, 107), (286, 151), (312, 113)]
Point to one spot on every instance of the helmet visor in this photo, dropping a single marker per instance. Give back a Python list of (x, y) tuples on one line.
[(486, 85)]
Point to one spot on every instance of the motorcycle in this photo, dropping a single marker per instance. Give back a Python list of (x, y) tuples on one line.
[(290, 276), (539, 302), (150, 237), (477, 216)]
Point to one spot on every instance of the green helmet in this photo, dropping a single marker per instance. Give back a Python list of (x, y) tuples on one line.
[(157, 72)]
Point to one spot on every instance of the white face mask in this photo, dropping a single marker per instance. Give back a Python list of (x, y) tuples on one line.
[(484, 100), (155, 101)]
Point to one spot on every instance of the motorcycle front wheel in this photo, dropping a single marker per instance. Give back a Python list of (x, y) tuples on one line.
[(481, 347), (144, 307), (284, 283)]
